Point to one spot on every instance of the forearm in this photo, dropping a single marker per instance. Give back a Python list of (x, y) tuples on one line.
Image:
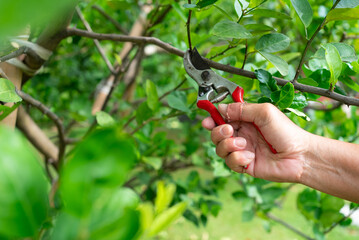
[(332, 167)]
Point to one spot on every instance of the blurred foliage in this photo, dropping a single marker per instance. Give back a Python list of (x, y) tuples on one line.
[(118, 181)]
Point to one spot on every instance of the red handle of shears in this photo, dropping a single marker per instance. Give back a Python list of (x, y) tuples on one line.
[(237, 96)]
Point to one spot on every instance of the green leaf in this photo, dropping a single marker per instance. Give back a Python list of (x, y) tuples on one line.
[(164, 196), (205, 3), (350, 83), (304, 11), (343, 14), (143, 113), (6, 111), (230, 29), (273, 42), (179, 11), (178, 100), (266, 82), (47, 11), (308, 81), (258, 28), (152, 96), (347, 52), (7, 91), (270, 14), (110, 210), (166, 218), (279, 63), (299, 114), (155, 162), (284, 97), (355, 66), (334, 61), (104, 119), (347, 3), (23, 187), (106, 157), (299, 101)]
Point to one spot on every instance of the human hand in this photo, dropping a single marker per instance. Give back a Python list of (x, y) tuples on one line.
[(247, 147)]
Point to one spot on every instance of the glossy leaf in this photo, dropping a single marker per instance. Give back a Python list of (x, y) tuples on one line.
[(308, 81), (347, 3), (343, 14), (6, 111), (270, 14), (284, 97), (205, 3), (114, 217), (347, 52), (239, 6), (273, 42), (299, 114), (7, 91), (304, 11), (23, 187), (164, 196), (230, 29), (299, 101), (178, 100), (350, 83), (334, 61), (166, 218), (279, 63), (258, 28), (266, 82), (104, 119), (106, 164), (152, 96)]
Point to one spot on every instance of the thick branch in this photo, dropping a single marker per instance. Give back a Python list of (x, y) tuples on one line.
[(97, 43), (61, 131), (151, 40), (35, 135)]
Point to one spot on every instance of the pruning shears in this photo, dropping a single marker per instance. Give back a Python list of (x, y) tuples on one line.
[(213, 88)]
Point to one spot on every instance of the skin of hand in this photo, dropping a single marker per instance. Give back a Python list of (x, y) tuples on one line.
[(248, 147), (328, 165)]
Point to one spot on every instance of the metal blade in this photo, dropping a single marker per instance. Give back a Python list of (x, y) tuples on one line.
[(197, 60)]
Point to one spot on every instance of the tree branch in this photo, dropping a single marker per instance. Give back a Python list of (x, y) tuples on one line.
[(14, 54), (97, 43), (341, 220), (108, 17), (151, 40), (290, 227), (309, 43), (60, 128)]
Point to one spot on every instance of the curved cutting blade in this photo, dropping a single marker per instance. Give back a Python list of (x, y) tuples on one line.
[(197, 60)]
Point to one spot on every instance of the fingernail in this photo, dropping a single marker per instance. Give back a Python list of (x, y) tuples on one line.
[(249, 155), (240, 142), (222, 108), (226, 130)]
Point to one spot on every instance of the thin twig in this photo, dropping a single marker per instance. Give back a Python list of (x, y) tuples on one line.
[(14, 54), (189, 27), (60, 127), (223, 52), (97, 43), (309, 43), (176, 114), (287, 225), (160, 98), (226, 68), (108, 17), (245, 55), (341, 220)]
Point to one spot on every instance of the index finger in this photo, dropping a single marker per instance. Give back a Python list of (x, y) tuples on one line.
[(208, 123)]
